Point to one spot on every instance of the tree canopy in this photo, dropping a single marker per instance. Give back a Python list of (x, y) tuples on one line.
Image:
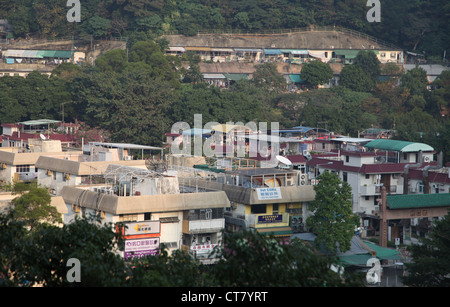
[(332, 219)]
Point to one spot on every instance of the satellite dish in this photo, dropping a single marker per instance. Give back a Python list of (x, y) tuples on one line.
[(283, 160), (43, 137)]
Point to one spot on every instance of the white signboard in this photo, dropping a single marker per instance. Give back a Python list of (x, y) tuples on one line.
[(269, 193), (141, 247), (141, 228)]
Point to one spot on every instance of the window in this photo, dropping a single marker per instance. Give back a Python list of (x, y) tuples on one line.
[(147, 216), (347, 158), (344, 176), (275, 209), (23, 168), (257, 209), (367, 176), (367, 197)]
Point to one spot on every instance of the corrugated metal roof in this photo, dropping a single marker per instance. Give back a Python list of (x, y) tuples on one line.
[(272, 51), (395, 145), (412, 201)]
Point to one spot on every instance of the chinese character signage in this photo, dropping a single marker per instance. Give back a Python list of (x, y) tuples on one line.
[(141, 228), (141, 248), (276, 218), (203, 247), (269, 193)]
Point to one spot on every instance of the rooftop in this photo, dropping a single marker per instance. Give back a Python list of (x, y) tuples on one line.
[(412, 201), (395, 145)]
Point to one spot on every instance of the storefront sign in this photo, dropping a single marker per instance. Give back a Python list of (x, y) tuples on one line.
[(141, 228), (265, 219), (268, 193), (141, 248), (203, 247)]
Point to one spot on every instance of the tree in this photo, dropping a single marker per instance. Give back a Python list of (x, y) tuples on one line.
[(367, 60), (33, 206), (430, 260), (332, 218), (266, 76), (355, 78), (316, 73), (250, 259)]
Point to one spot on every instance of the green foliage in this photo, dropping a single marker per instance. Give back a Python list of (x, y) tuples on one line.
[(33, 206), (369, 63), (430, 265), (332, 218), (266, 76), (355, 79), (316, 73), (249, 259)]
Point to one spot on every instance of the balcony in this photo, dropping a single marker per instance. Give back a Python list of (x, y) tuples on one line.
[(374, 189), (203, 226)]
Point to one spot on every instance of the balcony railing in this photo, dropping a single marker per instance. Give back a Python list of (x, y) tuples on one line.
[(372, 189)]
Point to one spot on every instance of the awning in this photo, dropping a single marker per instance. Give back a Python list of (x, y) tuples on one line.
[(12, 53), (235, 77), (31, 54), (63, 54), (198, 48), (294, 51), (213, 76), (296, 78), (222, 49), (177, 49), (276, 231), (272, 51), (196, 131), (247, 50), (47, 53), (317, 54), (348, 54), (299, 51)]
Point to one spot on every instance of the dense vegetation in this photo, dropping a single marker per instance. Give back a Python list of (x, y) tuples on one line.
[(249, 259), (420, 25), (137, 96)]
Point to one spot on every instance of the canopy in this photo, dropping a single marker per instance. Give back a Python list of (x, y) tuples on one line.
[(196, 131), (348, 54), (272, 51), (296, 78), (235, 77), (247, 50), (395, 145)]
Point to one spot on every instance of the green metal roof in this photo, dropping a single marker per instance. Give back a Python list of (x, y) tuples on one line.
[(412, 201), (395, 145), (384, 253), (296, 78), (235, 77)]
